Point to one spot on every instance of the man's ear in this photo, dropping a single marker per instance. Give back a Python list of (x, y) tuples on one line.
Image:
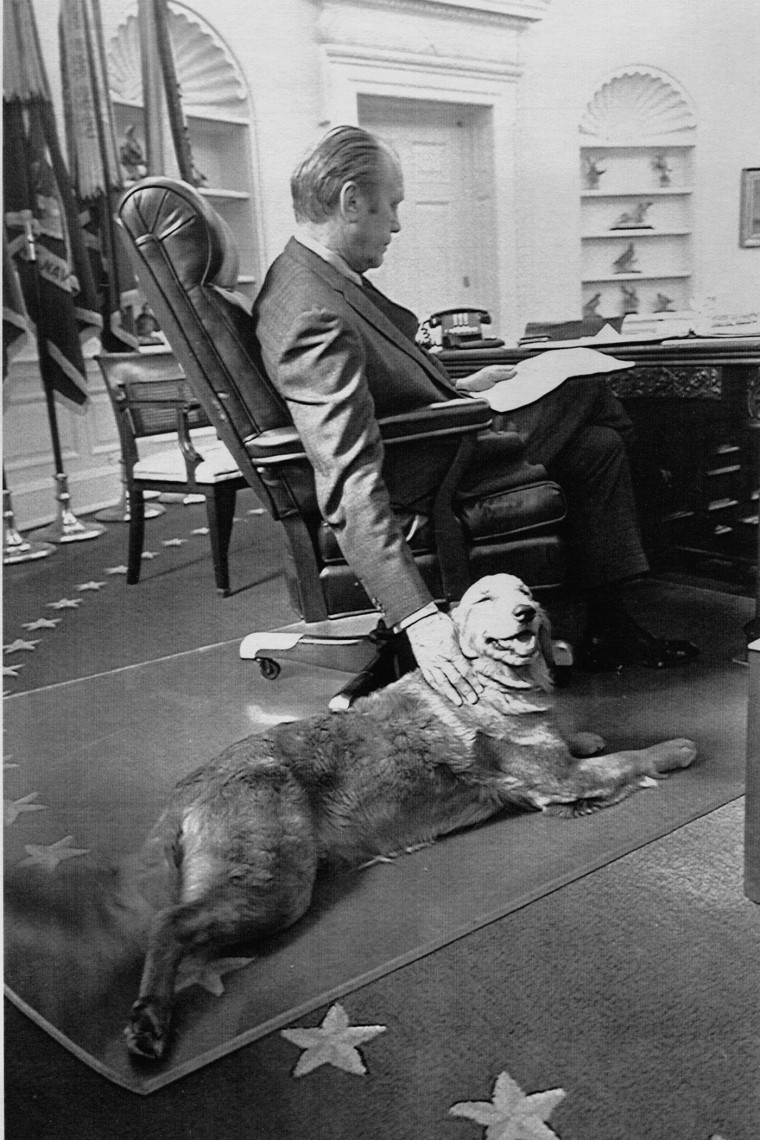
[(350, 201)]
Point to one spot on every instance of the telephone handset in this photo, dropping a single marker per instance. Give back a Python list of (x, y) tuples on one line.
[(463, 328)]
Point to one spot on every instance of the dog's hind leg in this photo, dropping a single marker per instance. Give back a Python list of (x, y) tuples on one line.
[(240, 879)]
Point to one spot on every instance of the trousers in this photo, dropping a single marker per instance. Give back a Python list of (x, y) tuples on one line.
[(580, 433)]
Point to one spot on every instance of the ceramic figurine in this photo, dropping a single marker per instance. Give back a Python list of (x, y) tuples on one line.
[(131, 155), (626, 263), (146, 326), (664, 304), (634, 219), (660, 167), (629, 299), (591, 306), (593, 173)]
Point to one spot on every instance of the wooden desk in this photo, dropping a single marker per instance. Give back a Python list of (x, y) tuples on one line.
[(693, 402)]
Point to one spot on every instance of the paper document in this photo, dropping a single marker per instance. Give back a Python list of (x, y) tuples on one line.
[(539, 375)]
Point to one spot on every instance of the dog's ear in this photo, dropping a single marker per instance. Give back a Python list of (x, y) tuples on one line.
[(543, 663)]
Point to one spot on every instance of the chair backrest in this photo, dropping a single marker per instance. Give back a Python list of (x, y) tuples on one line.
[(149, 389), (186, 262)]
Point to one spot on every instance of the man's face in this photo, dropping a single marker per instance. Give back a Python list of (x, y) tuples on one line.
[(375, 219)]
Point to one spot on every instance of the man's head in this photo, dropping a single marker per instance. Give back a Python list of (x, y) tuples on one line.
[(346, 192)]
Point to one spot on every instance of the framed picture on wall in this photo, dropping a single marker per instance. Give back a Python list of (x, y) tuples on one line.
[(749, 220)]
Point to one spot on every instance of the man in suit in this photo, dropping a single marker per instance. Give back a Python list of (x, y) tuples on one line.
[(341, 354)]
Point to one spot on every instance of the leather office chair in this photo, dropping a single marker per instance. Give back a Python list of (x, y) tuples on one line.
[(151, 398), (186, 263)]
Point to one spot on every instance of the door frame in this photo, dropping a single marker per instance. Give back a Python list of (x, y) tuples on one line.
[(351, 71)]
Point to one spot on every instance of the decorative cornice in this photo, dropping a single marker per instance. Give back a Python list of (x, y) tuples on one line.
[(421, 63), (504, 13)]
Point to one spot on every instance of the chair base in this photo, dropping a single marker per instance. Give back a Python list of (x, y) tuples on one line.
[(373, 656)]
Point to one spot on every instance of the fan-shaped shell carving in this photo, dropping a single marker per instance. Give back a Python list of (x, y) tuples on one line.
[(635, 107), (209, 81)]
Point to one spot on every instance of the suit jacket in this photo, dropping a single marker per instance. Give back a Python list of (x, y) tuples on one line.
[(339, 361)]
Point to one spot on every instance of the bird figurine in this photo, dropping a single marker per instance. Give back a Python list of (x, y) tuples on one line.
[(626, 263), (131, 154)]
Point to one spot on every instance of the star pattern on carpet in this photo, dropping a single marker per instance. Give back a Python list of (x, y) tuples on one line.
[(11, 670), (116, 570), (19, 644), (511, 1114), (65, 604), (12, 809), (193, 972), (148, 554), (256, 511), (200, 530), (334, 1042), (91, 586), (48, 857), (174, 541), (42, 623)]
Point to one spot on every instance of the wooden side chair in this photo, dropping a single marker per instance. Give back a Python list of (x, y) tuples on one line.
[(152, 400)]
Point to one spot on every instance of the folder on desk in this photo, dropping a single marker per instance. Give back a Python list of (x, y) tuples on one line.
[(541, 374)]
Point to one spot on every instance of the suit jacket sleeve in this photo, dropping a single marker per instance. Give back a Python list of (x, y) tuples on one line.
[(319, 368)]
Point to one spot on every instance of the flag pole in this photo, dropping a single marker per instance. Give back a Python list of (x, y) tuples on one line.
[(66, 527)]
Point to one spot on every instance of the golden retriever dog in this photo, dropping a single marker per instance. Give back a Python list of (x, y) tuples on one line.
[(245, 833)]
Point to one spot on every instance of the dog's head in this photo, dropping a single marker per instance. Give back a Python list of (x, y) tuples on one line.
[(498, 620)]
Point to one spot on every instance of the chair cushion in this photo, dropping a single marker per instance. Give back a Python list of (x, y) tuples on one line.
[(169, 464), (513, 512)]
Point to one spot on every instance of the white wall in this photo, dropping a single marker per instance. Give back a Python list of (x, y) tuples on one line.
[(711, 48)]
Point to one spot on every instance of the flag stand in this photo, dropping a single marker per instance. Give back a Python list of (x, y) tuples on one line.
[(67, 527), (15, 547)]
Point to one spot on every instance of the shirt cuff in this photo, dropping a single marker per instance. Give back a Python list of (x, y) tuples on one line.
[(426, 611)]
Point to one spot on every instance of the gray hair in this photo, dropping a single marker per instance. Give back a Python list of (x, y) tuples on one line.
[(344, 154)]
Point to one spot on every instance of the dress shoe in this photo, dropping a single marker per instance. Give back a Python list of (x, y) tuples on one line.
[(607, 651)]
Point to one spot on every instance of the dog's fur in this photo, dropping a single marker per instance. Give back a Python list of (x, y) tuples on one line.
[(247, 831), (244, 835)]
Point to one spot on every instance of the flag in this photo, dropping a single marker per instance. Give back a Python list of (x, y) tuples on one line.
[(15, 320), (44, 237), (94, 164)]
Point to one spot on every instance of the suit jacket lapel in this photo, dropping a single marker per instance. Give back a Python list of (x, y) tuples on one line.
[(360, 302)]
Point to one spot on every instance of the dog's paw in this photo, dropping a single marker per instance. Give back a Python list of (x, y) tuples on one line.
[(147, 1034), (670, 755), (582, 744)]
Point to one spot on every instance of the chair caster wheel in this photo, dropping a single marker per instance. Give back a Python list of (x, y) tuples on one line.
[(268, 668)]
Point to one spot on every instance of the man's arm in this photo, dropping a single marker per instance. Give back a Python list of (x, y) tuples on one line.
[(319, 369)]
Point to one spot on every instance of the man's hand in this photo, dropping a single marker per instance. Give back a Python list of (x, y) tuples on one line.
[(436, 649), (486, 377)]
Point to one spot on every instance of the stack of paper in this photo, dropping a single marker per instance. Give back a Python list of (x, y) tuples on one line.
[(539, 375)]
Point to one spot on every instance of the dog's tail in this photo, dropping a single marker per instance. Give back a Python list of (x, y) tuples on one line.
[(75, 939)]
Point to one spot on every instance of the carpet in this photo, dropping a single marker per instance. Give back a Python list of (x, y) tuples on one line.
[(80, 617), (92, 758)]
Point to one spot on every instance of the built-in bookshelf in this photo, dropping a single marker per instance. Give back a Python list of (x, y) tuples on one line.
[(216, 110), (636, 176)]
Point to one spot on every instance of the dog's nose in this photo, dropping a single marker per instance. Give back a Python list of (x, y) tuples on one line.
[(524, 613)]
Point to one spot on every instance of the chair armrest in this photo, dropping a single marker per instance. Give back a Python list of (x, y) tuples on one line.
[(452, 417)]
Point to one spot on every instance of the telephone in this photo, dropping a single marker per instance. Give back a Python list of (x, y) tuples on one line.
[(463, 328)]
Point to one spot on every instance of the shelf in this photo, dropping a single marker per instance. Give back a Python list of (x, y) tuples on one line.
[(659, 190), (634, 233), (660, 146), (636, 277), (214, 192)]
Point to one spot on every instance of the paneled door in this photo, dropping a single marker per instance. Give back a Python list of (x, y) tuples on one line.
[(443, 256)]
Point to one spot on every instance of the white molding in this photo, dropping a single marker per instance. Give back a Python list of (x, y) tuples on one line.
[(513, 12), (637, 105)]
